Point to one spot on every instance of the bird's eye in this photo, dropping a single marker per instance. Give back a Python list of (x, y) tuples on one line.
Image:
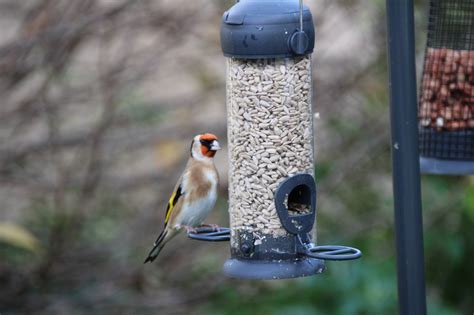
[(206, 143)]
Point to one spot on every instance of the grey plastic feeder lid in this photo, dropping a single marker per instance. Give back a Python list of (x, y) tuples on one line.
[(254, 29)]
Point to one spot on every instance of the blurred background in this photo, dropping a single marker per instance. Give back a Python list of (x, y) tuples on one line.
[(99, 101)]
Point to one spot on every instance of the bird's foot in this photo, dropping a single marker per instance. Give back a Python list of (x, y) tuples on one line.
[(189, 229)]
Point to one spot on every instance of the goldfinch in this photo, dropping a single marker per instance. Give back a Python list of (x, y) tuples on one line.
[(194, 195)]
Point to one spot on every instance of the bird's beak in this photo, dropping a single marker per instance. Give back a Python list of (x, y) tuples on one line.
[(215, 146)]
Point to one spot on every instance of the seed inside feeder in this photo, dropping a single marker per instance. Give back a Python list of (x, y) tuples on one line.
[(270, 136)]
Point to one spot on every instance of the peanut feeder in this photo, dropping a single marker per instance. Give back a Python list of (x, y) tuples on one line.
[(446, 106)]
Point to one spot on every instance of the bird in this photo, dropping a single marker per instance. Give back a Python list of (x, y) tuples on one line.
[(194, 195)]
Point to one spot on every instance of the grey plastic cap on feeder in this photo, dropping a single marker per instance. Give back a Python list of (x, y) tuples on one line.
[(272, 192), (254, 29)]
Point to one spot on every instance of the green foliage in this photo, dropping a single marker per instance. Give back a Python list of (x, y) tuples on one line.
[(103, 225), (449, 241), (364, 287)]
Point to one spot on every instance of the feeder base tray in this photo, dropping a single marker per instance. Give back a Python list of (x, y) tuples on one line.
[(446, 167), (272, 270)]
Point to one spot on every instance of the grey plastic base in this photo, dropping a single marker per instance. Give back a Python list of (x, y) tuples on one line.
[(446, 167), (272, 270)]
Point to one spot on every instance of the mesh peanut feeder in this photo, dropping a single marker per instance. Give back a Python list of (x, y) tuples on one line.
[(446, 106)]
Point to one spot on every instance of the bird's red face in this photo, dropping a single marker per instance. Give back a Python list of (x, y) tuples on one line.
[(209, 144), (204, 146)]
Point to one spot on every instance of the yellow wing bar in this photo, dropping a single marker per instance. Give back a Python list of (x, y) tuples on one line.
[(172, 202)]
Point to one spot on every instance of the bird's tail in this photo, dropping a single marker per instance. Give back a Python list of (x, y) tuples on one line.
[(158, 246)]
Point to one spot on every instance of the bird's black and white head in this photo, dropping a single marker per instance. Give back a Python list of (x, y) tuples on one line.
[(204, 146)]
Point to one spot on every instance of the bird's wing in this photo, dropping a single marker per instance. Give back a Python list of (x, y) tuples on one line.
[(175, 197)]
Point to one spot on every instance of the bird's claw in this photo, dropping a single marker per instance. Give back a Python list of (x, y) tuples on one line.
[(190, 229)]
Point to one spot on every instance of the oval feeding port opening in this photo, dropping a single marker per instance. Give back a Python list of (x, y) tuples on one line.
[(299, 201), (295, 202)]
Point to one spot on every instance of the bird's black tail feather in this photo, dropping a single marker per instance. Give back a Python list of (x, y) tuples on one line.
[(156, 248)]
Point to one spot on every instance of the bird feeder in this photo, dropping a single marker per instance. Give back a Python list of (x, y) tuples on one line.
[(272, 192), (270, 137), (446, 105)]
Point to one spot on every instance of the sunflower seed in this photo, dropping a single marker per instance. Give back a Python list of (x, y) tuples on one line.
[(270, 136)]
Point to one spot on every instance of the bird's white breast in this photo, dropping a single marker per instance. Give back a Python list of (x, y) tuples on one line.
[(194, 213)]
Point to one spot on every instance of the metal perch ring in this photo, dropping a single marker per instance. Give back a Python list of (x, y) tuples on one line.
[(333, 252), (220, 234)]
